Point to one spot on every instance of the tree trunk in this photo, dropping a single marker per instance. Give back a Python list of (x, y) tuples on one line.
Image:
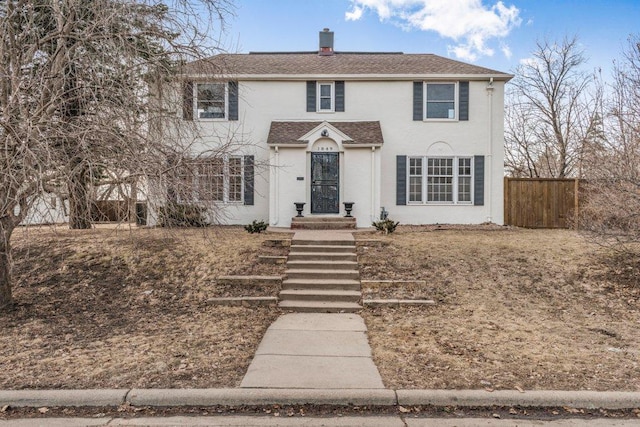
[(79, 199), (6, 228)]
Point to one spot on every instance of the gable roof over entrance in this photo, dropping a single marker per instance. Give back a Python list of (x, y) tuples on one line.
[(290, 133)]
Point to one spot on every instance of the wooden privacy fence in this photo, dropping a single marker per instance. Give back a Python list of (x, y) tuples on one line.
[(540, 202)]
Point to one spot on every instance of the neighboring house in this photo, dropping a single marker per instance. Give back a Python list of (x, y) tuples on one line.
[(417, 135)]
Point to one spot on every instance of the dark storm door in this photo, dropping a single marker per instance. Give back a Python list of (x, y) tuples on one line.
[(324, 183)]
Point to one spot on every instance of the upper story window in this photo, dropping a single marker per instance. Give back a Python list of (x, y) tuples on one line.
[(440, 101), (211, 100), (325, 97)]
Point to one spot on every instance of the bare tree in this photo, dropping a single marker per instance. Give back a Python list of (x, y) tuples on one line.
[(81, 92), (550, 113), (612, 209)]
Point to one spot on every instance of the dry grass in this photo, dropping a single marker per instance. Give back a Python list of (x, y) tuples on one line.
[(535, 309), (128, 308)]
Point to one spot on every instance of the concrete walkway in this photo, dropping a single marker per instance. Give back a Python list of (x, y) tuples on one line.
[(314, 351)]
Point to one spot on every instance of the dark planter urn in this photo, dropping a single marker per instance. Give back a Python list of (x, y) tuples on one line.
[(348, 207)]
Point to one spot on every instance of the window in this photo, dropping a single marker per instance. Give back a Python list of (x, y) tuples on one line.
[(415, 179), (447, 180), (464, 179), (211, 100), (440, 101), (213, 180), (325, 97)]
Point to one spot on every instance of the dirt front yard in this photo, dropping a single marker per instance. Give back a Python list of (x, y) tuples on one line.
[(119, 307), (516, 308), (528, 309)]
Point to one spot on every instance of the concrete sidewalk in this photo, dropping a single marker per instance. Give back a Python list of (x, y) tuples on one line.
[(314, 351)]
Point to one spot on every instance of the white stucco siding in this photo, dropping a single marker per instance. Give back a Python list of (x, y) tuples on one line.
[(391, 103), (286, 189), (480, 135)]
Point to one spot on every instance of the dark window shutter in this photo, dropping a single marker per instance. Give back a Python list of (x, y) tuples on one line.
[(339, 88), (248, 180), (401, 180), (418, 104), (187, 101), (233, 100), (463, 101), (311, 96), (478, 180)]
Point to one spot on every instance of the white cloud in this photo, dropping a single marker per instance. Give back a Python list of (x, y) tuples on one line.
[(469, 23), (506, 51), (355, 14)]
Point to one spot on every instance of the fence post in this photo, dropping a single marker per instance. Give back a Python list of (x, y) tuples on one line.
[(507, 208)]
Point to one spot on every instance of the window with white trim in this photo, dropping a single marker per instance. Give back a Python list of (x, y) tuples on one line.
[(211, 100), (217, 179), (325, 96), (440, 101), (415, 179), (439, 180)]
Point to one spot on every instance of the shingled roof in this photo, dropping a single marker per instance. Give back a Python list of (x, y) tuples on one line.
[(310, 63), (361, 133)]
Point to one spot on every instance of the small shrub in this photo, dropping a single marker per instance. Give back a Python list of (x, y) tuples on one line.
[(178, 215), (387, 226), (256, 227)]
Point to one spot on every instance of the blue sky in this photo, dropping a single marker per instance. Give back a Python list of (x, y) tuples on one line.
[(489, 33)]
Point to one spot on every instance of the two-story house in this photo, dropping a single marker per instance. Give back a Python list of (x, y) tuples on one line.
[(417, 135)]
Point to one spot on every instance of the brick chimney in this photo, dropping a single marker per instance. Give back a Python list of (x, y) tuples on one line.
[(326, 43)]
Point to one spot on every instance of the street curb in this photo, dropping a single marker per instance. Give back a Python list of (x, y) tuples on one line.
[(539, 399), (341, 397), (39, 398), (248, 396)]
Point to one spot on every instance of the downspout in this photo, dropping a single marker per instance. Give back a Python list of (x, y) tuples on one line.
[(489, 181), (373, 184), (276, 201)]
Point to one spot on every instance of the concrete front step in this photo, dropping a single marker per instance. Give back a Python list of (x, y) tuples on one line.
[(308, 273), (340, 284), (328, 242), (322, 265), (322, 256), (320, 306), (334, 295), (322, 248), (325, 225), (325, 218)]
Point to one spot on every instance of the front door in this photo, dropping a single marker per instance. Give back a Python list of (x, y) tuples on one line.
[(324, 183)]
